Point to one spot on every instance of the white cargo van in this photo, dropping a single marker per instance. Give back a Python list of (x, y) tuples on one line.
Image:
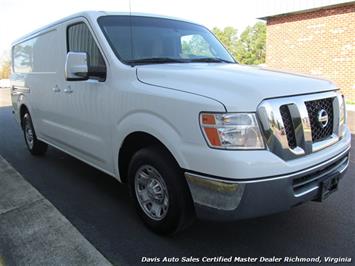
[(160, 104)]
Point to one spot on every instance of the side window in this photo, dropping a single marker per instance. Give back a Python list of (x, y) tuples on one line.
[(81, 40), (23, 57), (32, 55)]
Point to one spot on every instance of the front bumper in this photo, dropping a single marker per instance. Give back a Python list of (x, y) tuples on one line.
[(217, 198)]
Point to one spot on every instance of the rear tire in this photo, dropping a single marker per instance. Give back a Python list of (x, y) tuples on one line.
[(35, 146), (160, 191)]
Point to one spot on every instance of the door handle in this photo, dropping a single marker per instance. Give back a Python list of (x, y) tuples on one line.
[(13, 91), (68, 90), (56, 89)]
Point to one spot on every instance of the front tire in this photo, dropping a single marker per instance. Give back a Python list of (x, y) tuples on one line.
[(160, 191), (35, 146)]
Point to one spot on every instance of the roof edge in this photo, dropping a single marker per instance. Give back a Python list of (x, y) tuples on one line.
[(307, 10), (92, 14)]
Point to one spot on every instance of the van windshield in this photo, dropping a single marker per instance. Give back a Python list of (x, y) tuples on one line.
[(148, 40)]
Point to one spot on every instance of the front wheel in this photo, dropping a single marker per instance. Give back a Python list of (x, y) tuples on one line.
[(35, 146), (159, 191)]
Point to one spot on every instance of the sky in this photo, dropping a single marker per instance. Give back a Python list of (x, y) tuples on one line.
[(19, 17)]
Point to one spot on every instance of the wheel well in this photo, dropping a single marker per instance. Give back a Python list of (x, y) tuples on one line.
[(23, 111), (133, 143)]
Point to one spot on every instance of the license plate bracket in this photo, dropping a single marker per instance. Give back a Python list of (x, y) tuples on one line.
[(328, 186)]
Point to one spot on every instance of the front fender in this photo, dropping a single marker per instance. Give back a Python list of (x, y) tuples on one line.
[(154, 125)]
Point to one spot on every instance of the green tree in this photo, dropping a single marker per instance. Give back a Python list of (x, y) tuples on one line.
[(228, 36), (251, 45)]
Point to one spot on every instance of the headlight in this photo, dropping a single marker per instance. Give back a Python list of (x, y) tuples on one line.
[(231, 130)]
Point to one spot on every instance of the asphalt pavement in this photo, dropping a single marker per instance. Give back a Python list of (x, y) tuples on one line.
[(100, 208)]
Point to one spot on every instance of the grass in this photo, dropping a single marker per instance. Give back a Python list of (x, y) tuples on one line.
[(2, 262)]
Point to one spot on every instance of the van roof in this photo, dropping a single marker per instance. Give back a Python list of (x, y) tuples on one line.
[(92, 16)]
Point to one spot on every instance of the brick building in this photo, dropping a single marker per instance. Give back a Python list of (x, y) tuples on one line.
[(318, 41)]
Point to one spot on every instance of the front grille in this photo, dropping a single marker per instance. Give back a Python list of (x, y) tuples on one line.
[(299, 125), (290, 131), (313, 107)]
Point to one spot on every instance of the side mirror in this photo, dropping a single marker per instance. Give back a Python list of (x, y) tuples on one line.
[(76, 66)]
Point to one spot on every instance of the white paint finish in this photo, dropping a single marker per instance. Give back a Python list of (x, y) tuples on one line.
[(254, 164), (239, 88), (169, 115), (162, 100), (78, 119)]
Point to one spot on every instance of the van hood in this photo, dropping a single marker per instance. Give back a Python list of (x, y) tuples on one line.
[(239, 88)]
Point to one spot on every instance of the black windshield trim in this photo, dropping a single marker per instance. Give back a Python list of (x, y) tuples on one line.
[(157, 60), (168, 60), (210, 60)]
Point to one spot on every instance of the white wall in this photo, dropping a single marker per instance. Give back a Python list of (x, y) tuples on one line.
[(4, 83)]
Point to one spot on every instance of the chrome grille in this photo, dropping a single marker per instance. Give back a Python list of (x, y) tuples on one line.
[(291, 125), (313, 107), (290, 131)]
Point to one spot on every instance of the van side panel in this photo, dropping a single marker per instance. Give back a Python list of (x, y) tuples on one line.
[(76, 120), (35, 74)]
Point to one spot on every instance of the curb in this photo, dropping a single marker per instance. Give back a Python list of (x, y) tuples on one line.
[(33, 231)]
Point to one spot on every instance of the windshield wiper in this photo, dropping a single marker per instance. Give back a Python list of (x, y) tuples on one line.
[(211, 60), (166, 60), (156, 60)]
